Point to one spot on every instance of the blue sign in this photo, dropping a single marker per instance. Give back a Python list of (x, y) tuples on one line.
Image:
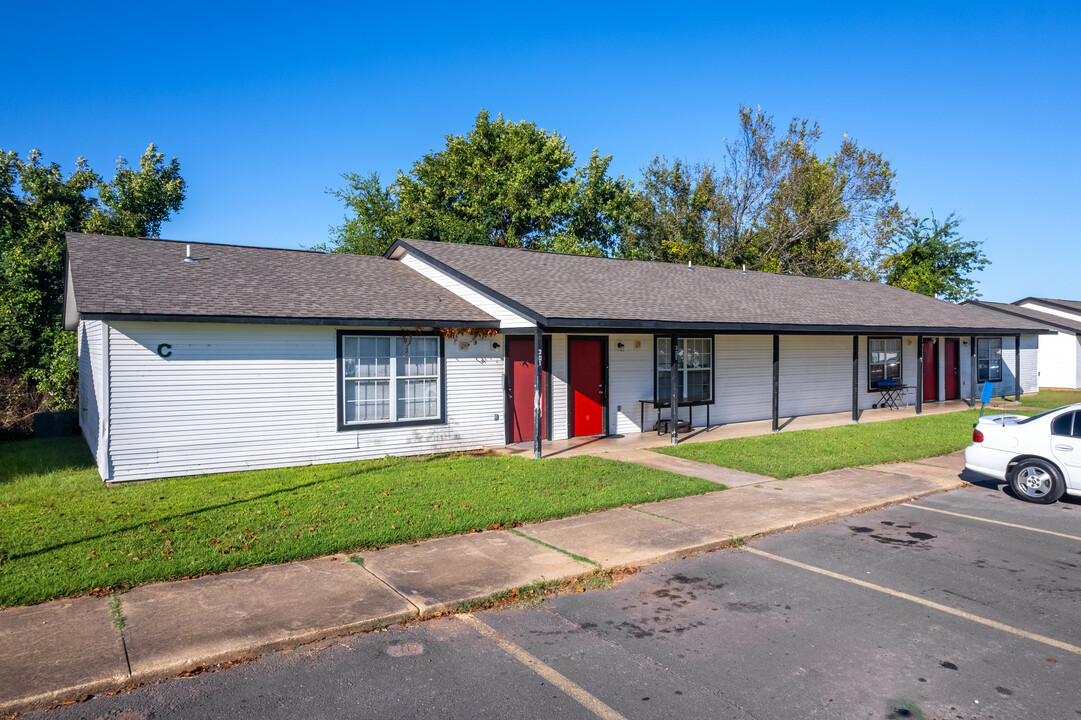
[(987, 389)]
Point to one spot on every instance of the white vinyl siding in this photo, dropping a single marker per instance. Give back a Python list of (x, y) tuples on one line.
[(237, 397), (744, 370), (90, 380), (816, 374), (507, 318), (560, 400), (1030, 381), (630, 379)]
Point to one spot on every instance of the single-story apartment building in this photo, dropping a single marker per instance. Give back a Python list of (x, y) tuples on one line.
[(1059, 364), (198, 358)]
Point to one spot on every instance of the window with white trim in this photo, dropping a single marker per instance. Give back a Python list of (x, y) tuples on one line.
[(883, 361), (694, 370), (989, 360), (388, 379)]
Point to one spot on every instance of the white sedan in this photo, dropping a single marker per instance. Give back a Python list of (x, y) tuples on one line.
[(1040, 456)]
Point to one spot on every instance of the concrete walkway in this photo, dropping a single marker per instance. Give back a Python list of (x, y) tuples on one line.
[(67, 649), (614, 446)]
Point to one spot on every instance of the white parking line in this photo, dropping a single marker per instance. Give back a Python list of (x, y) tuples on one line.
[(994, 522), (926, 603), (568, 686)]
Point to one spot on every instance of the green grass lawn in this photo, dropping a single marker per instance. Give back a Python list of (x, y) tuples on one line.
[(1051, 399), (804, 452), (64, 532)]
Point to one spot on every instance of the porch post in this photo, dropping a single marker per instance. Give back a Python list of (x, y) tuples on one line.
[(855, 378), (776, 383), (1017, 367), (919, 375), (674, 386), (972, 370), (538, 359)]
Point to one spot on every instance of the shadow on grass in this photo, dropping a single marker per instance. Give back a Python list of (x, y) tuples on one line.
[(190, 513), (41, 457)]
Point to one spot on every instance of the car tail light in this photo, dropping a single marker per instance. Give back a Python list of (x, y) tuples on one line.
[(977, 436)]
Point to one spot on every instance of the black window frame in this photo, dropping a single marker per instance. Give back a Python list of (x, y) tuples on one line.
[(871, 387), (674, 338), (340, 368), (979, 371)]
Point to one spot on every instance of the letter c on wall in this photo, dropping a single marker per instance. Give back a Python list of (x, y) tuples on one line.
[(165, 350)]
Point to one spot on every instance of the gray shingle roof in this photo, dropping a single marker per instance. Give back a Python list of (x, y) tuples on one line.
[(1067, 305), (572, 290), (120, 276), (1053, 321)]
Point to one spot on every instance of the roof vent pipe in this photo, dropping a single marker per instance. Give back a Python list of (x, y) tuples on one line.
[(689, 265), (744, 269), (187, 257)]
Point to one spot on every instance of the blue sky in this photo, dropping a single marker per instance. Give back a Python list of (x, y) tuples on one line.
[(266, 104)]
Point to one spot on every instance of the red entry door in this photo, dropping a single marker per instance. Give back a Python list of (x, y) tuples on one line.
[(520, 366), (930, 370), (953, 369), (587, 386)]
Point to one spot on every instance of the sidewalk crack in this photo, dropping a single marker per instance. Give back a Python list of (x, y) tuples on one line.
[(116, 615), (389, 587), (568, 553)]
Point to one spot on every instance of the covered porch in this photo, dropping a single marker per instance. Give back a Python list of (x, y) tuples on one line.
[(614, 445)]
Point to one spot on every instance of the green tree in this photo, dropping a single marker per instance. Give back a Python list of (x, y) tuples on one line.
[(773, 205), (503, 183), (37, 205), (932, 258)]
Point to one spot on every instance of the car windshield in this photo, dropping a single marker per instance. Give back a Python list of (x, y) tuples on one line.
[(1037, 417)]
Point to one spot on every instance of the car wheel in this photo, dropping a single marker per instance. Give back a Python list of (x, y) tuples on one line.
[(1037, 481)]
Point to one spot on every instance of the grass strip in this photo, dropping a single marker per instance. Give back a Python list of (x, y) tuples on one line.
[(568, 553), (805, 452), (63, 532), (1051, 399), (116, 612)]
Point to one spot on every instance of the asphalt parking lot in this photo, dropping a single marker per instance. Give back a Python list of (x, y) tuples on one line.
[(964, 605)]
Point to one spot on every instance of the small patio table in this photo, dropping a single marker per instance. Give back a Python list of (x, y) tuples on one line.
[(661, 404), (890, 392)]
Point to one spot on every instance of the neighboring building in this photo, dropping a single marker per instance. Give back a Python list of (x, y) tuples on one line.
[(1059, 363), (242, 357)]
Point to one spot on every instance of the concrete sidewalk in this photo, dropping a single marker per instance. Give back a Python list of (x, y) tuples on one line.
[(68, 649)]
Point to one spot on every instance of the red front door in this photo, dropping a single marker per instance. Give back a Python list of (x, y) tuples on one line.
[(930, 370), (953, 369), (520, 389), (587, 386)]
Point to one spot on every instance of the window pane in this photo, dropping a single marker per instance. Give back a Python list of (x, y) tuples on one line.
[(367, 401), (696, 353), (417, 399), (1063, 424), (664, 354), (664, 387), (698, 385)]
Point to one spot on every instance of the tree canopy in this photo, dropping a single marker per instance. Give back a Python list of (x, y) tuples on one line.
[(503, 183), (774, 203), (933, 259), (37, 205)]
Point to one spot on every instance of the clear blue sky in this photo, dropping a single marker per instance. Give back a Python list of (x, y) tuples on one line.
[(266, 104)]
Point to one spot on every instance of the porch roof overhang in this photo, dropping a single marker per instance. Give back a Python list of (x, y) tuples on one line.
[(577, 325)]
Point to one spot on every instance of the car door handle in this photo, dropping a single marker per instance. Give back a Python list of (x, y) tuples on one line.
[(1064, 448)]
